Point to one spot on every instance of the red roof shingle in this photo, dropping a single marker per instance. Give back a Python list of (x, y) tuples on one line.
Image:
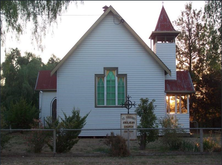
[(183, 84), (46, 82), (164, 27), (164, 23)]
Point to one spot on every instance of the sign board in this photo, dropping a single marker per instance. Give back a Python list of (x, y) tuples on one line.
[(128, 121)]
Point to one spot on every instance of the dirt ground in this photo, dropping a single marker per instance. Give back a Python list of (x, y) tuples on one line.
[(93, 151), (133, 160)]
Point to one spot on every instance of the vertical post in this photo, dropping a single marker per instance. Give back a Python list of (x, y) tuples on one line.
[(188, 104), (128, 140), (176, 104), (54, 142), (201, 140)]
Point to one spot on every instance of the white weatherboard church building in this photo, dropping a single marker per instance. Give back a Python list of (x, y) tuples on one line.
[(107, 64)]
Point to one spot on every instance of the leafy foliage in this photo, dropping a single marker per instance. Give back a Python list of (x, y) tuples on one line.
[(145, 111), (36, 140), (171, 132), (42, 14), (5, 137), (21, 114), (199, 51), (117, 145), (65, 140), (19, 74)]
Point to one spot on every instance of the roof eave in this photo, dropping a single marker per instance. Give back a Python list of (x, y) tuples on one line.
[(179, 92), (169, 33), (46, 90)]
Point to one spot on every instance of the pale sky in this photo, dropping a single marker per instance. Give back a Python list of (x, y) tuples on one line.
[(142, 16)]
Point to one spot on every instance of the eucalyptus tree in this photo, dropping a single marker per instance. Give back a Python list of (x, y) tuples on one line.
[(42, 14), (19, 74), (198, 50)]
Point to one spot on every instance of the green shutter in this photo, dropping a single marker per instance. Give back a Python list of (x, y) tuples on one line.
[(121, 91), (100, 91), (110, 88)]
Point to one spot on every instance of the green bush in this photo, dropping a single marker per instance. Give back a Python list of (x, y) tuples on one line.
[(145, 111), (171, 132), (188, 146), (36, 139), (65, 140), (117, 145), (5, 137), (21, 115), (209, 144)]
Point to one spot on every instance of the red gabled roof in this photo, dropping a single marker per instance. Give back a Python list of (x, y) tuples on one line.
[(183, 84), (46, 82)]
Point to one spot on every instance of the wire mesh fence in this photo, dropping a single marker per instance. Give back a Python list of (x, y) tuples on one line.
[(189, 140)]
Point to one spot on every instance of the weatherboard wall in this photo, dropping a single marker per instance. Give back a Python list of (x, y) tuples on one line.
[(45, 104), (167, 53), (109, 45)]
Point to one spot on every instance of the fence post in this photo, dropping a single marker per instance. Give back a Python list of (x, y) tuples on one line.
[(201, 140), (54, 142), (128, 141)]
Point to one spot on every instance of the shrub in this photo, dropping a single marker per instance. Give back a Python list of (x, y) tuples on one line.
[(37, 139), (65, 140), (209, 144), (117, 145), (5, 137), (147, 120), (4, 140), (21, 115), (171, 132), (187, 146)]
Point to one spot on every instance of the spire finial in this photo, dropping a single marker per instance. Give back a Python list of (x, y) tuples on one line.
[(162, 3)]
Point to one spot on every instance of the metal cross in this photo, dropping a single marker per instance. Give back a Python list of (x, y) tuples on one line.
[(128, 103)]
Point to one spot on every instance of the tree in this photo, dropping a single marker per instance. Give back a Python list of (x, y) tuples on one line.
[(52, 62), (147, 120), (20, 73), (21, 114), (42, 14), (198, 51)]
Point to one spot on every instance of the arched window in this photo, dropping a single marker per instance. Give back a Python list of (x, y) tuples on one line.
[(54, 109), (110, 88)]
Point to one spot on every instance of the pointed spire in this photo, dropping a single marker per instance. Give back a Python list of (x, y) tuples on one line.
[(164, 26), (164, 23)]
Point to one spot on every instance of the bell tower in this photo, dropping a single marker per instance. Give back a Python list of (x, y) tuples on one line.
[(164, 42)]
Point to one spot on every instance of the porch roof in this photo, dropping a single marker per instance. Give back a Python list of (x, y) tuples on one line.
[(182, 85), (46, 82)]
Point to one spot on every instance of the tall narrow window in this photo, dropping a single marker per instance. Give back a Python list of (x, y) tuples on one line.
[(121, 91), (54, 111), (110, 88), (100, 91)]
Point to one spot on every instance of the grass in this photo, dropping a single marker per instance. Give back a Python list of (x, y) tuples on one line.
[(93, 151), (133, 160)]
